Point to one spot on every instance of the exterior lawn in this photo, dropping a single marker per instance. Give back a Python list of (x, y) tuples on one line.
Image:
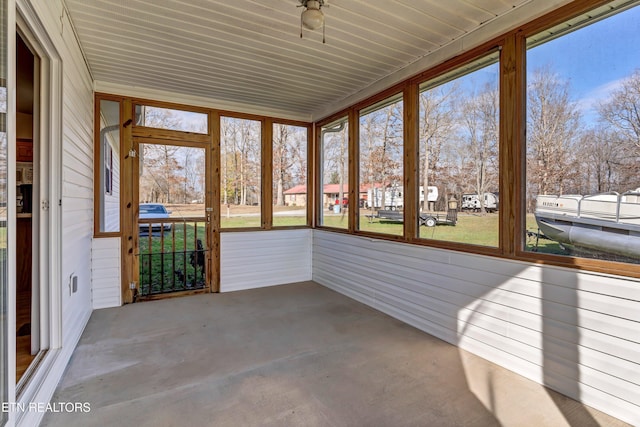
[(171, 261)]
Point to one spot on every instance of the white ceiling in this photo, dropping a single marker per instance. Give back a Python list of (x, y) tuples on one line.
[(248, 54)]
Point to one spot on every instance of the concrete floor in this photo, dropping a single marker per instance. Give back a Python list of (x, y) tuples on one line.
[(292, 355)]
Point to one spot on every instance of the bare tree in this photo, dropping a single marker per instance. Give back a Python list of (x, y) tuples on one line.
[(162, 177), (194, 174), (161, 118), (381, 131), (480, 123), (620, 118), (170, 174), (289, 159), (437, 121), (298, 152), (226, 161), (622, 110), (281, 161), (241, 164), (552, 125)]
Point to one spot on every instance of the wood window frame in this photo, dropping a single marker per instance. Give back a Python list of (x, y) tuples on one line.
[(318, 170), (99, 165), (265, 170), (366, 107), (504, 142), (557, 17), (512, 151), (211, 142), (310, 162), (154, 135)]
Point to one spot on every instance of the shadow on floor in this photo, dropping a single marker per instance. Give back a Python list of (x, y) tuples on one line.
[(291, 355)]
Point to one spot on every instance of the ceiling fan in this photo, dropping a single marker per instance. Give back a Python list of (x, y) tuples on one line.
[(312, 16)]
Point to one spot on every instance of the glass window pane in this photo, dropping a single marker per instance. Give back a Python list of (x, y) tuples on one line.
[(289, 175), (171, 181), (381, 167), (3, 206), (109, 155), (240, 171), (458, 164), (170, 119), (334, 177), (583, 138)]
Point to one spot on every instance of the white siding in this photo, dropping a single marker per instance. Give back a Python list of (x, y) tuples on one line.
[(264, 258), (76, 156), (576, 332), (105, 269), (112, 201)]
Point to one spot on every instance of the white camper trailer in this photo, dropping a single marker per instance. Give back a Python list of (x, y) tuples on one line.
[(432, 194), (394, 198), (471, 202)]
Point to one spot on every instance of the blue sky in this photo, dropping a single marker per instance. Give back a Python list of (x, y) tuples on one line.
[(595, 59)]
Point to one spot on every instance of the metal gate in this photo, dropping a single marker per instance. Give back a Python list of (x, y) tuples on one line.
[(172, 255)]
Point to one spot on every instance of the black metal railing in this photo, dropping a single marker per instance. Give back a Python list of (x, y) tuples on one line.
[(172, 255)]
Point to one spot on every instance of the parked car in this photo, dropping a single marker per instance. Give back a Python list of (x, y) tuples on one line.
[(154, 211)]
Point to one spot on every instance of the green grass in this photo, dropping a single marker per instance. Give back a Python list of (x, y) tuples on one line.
[(381, 226), (240, 222), (473, 229), (289, 220), (165, 267), (541, 245), (470, 229), (254, 222), (336, 221)]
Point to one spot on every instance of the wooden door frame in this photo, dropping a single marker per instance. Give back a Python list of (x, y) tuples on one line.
[(133, 136)]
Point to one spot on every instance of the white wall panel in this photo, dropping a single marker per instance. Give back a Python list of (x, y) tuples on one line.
[(575, 331), (105, 269), (264, 258)]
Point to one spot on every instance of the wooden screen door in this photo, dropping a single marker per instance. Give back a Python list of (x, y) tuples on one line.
[(174, 242)]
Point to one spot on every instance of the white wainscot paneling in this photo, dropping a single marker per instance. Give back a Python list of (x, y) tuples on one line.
[(264, 258), (574, 331), (105, 273)]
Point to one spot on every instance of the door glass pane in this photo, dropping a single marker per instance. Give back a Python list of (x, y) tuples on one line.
[(334, 178), (171, 119), (240, 172), (174, 177), (172, 223), (289, 175), (3, 206)]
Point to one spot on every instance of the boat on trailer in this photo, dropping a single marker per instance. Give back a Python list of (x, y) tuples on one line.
[(608, 222)]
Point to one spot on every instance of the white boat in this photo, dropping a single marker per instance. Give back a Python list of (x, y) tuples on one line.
[(607, 223)]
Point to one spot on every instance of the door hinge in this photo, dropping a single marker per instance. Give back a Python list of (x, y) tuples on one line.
[(45, 205)]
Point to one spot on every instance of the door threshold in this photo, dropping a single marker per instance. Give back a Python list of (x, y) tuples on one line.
[(176, 294), (30, 372)]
